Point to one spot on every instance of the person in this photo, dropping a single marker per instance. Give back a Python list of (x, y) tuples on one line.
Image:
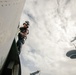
[(23, 31), (22, 35)]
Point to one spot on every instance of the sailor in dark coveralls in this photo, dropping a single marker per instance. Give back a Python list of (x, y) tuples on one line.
[(22, 35)]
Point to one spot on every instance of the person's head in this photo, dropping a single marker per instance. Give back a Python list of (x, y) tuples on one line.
[(26, 24)]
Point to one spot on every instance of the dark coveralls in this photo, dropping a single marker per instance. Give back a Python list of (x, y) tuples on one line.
[(21, 38)]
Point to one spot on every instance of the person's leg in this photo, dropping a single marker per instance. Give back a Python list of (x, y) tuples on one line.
[(19, 45)]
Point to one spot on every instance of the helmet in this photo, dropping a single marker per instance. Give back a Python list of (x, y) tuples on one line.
[(27, 22)]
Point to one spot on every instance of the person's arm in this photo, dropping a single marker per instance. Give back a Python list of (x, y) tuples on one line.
[(27, 31), (23, 34)]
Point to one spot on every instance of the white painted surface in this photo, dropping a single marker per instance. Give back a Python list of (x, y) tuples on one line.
[(10, 13)]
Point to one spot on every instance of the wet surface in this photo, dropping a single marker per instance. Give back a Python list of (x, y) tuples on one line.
[(51, 40)]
